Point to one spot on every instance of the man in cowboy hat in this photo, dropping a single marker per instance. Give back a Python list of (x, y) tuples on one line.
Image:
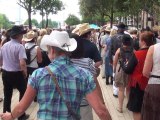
[(12, 57), (90, 49), (59, 85)]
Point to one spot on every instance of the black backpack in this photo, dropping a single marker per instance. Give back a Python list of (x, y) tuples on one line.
[(128, 60), (45, 60), (28, 53)]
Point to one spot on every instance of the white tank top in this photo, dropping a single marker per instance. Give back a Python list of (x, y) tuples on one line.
[(33, 64), (156, 65)]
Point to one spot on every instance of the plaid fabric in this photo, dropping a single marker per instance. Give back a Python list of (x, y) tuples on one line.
[(75, 83)]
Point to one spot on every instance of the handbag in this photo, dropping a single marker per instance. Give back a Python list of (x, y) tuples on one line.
[(71, 112)]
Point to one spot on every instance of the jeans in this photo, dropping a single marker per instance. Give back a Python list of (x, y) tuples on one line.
[(108, 67)]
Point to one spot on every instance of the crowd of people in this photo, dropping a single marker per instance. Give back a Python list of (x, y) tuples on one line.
[(59, 69)]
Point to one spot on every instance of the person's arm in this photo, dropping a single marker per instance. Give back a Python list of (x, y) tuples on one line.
[(39, 55), (148, 62), (22, 60), (99, 89), (23, 66), (22, 105), (115, 61), (100, 108)]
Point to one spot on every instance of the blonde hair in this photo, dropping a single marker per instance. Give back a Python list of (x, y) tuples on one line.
[(43, 32), (113, 32)]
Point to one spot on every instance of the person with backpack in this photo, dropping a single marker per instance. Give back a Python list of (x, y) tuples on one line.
[(138, 81), (116, 42), (33, 53), (121, 78)]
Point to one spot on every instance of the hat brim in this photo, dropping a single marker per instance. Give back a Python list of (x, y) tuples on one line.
[(48, 41), (27, 40), (85, 31), (14, 33)]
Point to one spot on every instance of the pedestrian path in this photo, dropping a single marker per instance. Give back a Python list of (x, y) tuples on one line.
[(110, 101)]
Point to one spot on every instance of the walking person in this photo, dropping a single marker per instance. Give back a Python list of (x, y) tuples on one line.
[(151, 100), (77, 57), (138, 82), (14, 71), (108, 65), (121, 78), (34, 52), (61, 86), (116, 43)]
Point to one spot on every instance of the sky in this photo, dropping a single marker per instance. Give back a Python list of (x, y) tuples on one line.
[(16, 13)]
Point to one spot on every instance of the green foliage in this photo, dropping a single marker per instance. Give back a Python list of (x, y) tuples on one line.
[(4, 22), (51, 24), (72, 20), (34, 22), (48, 6)]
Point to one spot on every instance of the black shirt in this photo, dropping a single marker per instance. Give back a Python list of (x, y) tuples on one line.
[(91, 51)]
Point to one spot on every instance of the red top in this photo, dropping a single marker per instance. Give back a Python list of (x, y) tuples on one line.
[(137, 76)]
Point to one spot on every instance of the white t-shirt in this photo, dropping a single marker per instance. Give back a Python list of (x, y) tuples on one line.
[(33, 53)]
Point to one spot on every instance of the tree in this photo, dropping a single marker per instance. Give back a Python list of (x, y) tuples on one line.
[(98, 9), (48, 6), (72, 20), (4, 22), (28, 5), (51, 24), (34, 22)]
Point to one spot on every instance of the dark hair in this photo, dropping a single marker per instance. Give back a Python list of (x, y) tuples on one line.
[(126, 40), (147, 37), (79, 51), (85, 35)]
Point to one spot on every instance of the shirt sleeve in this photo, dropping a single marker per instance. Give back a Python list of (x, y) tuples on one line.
[(33, 79), (96, 55), (22, 53)]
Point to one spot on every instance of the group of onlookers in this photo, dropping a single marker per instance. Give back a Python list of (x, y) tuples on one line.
[(68, 87), (142, 84)]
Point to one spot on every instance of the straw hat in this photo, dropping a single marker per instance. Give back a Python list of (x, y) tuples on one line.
[(60, 40), (108, 29), (84, 28), (29, 36), (81, 29)]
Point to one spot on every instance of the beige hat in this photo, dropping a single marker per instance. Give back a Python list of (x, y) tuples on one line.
[(108, 29), (29, 36), (82, 29), (76, 30)]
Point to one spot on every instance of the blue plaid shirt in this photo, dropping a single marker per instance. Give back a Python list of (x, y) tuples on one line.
[(74, 82)]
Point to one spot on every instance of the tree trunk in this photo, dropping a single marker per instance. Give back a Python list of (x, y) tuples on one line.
[(137, 20), (46, 21), (29, 14), (111, 22), (42, 18), (29, 20)]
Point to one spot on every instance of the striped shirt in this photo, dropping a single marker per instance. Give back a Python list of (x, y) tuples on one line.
[(74, 82), (85, 63)]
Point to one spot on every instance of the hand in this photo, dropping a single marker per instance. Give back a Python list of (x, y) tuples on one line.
[(6, 116)]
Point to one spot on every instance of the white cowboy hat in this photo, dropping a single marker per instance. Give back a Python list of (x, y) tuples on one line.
[(29, 36), (60, 40)]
